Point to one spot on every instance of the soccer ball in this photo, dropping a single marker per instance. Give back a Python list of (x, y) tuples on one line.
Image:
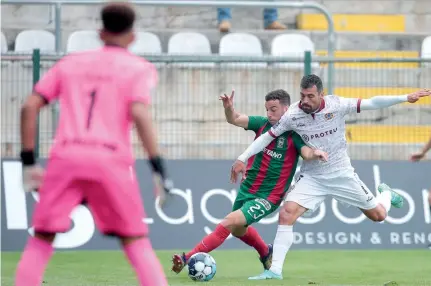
[(202, 267)]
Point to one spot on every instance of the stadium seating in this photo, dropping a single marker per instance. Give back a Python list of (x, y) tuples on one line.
[(4, 46), (28, 40), (146, 43), (292, 45), (190, 43), (241, 44), (353, 22), (426, 50), (195, 104), (83, 40)]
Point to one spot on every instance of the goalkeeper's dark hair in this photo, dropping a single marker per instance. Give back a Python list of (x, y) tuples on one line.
[(118, 18), (279, 94)]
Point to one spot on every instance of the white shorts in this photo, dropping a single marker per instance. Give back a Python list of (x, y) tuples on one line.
[(346, 187)]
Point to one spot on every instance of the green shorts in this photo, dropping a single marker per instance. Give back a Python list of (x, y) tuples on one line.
[(253, 207)]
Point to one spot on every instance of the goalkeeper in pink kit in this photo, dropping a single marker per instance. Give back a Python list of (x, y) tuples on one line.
[(101, 94)]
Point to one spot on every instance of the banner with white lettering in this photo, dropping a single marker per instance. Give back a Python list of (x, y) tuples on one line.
[(203, 196)]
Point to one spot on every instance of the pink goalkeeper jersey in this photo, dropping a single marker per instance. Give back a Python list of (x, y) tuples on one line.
[(95, 90)]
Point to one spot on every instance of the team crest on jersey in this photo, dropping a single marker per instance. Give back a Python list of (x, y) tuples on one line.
[(329, 116), (280, 142)]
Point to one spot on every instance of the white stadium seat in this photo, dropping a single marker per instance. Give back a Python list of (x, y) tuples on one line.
[(146, 43), (292, 45), (426, 50), (28, 40), (190, 43), (241, 44), (83, 41), (4, 47)]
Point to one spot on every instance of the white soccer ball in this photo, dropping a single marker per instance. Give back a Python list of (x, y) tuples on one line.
[(202, 267)]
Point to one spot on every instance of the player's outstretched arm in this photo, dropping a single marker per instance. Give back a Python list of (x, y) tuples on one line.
[(309, 154), (420, 155), (144, 125), (233, 117), (383, 101)]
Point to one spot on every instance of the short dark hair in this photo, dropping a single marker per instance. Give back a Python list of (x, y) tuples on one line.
[(279, 94), (311, 80), (118, 18)]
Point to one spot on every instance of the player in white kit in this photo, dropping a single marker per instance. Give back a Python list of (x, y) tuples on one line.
[(320, 121)]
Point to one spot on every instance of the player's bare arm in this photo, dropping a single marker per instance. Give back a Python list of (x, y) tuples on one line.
[(420, 155), (32, 174), (233, 117), (142, 118), (308, 154), (379, 102)]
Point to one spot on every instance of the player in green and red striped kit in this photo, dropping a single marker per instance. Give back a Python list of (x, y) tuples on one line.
[(268, 177)]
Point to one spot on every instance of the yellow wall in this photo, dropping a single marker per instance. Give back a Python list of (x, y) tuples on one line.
[(373, 54), (353, 22), (387, 134)]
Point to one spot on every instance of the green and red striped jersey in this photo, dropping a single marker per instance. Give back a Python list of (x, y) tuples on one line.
[(270, 172)]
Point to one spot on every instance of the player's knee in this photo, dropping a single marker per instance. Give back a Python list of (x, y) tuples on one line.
[(288, 215), (377, 216), (381, 216), (239, 231), (126, 240), (46, 236), (231, 221)]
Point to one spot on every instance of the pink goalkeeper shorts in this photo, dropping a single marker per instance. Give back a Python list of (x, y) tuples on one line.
[(110, 190)]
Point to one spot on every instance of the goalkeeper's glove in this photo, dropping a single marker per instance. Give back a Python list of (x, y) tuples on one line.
[(163, 184), (31, 172)]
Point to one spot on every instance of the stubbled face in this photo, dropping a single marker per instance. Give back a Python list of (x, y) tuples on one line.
[(310, 99), (275, 110)]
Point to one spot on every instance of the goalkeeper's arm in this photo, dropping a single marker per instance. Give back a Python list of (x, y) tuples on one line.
[(142, 118)]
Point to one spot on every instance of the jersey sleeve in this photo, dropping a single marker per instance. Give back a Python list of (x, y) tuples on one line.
[(297, 141), (142, 84), (350, 105), (256, 122), (50, 84), (283, 125)]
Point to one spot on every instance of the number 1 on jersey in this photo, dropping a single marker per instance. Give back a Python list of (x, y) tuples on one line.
[(90, 109)]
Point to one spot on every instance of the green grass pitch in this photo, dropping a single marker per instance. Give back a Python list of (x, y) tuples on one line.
[(234, 267)]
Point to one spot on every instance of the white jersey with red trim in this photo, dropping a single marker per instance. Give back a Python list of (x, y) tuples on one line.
[(323, 130)]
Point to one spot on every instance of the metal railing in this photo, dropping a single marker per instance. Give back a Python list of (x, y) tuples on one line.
[(190, 119), (197, 3)]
